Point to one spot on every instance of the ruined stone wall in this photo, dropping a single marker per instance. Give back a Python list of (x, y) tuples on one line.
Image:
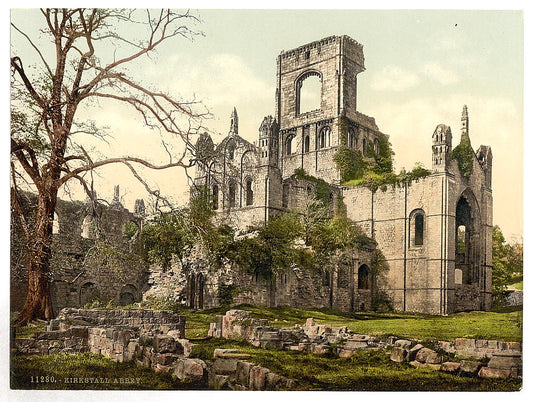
[(334, 285), (422, 277), (79, 274)]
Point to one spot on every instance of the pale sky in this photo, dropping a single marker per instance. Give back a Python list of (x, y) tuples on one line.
[(421, 68)]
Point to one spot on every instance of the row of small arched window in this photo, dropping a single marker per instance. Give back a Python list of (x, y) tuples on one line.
[(324, 141)]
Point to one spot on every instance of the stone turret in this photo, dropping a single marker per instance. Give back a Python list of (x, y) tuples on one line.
[(268, 142), (441, 148), (464, 121), (234, 123)]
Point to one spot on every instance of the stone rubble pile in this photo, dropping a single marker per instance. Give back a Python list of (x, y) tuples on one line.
[(230, 371), (505, 357), (153, 339)]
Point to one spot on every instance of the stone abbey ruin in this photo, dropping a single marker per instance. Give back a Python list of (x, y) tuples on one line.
[(432, 232)]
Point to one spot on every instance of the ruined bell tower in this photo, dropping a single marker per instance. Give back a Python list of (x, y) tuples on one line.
[(316, 106)]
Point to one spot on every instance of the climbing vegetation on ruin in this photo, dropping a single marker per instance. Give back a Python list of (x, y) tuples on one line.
[(349, 162), (268, 248), (321, 187), (464, 155), (108, 255), (380, 267), (375, 181), (374, 169), (338, 233)]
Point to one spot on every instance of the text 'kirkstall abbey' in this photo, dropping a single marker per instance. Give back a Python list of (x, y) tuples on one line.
[(435, 232)]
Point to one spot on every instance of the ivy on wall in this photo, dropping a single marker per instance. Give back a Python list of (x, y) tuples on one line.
[(464, 155)]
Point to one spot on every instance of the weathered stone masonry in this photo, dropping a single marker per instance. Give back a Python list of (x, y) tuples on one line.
[(79, 274), (417, 227)]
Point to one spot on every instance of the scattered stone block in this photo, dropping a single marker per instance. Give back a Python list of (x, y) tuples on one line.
[(403, 343), (426, 355), (411, 354), (507, 361), (450, 367), (165, 344), (258, 376), (345, 353), (219, 382), (469, 367), (190, 370), (398, 354), (488, 372), (242, 373), (354, 344), (225, 366)]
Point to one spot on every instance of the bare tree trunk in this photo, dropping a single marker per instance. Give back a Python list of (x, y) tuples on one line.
[(38, 300)]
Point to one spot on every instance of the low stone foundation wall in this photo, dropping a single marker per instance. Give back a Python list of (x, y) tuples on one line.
[(342, 341), (230, 372), (144, 321)]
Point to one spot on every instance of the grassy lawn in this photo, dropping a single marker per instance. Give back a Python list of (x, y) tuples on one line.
[(505, 324), (57, 371), (501, 325), (364, 371)]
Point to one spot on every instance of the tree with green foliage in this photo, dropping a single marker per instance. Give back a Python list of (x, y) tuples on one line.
[(507, 264), (166, 236), (269, 248)]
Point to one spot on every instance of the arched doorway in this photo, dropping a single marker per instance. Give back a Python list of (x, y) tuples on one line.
[(127, 295)]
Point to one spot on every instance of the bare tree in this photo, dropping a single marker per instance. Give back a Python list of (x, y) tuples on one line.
[(44, 156)]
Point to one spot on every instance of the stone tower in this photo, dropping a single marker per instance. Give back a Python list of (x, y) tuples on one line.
[(316, 90)]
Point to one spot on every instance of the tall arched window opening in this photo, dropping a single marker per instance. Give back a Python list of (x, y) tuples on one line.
[(231, 194), (324, 138), (363, 277), (288, 145), (352, 139), (309, 92), (249, 192), (419, 230)]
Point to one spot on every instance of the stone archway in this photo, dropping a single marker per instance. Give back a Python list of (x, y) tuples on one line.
[(467, 236), (127, 295)]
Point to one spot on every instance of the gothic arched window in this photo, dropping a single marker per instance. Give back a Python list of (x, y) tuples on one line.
[(363, 277), (231, 194), (417, 226), (249, 192), (306, 143), (288, 145), (352, 139), (308, 92), (324, 138)]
